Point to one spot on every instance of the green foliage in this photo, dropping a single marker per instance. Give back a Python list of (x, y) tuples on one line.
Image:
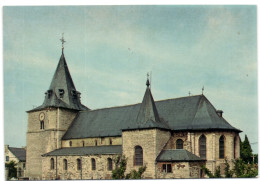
[(119, 171), (12, 171), (210, 174), (245, 170), (228, 172), (246, 151), (136, 174)]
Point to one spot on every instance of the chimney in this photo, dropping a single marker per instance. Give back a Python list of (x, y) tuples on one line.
[(219, 112)]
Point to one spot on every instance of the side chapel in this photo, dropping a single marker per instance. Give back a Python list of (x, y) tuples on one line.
[(173, 137)]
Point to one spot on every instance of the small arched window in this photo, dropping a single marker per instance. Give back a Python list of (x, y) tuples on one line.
[(78, 164), (70, 143), (202, 146), (222, 147), (138, 160), (65, 164), (109, 164), (52, 164), (95, 142), (19, 172), (179, 144), (110, 141), (42, 124), (83, 143), (93, 163)]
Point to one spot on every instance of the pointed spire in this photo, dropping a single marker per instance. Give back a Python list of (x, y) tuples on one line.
[(148, 116)]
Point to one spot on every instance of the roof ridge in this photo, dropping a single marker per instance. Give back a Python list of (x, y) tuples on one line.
[(136, 104)]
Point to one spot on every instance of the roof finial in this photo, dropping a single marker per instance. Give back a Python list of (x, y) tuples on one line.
[(189, 93), (147, 82), (202, 89), (62, 41)]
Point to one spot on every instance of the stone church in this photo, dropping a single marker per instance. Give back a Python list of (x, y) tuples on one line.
[(173, 138)]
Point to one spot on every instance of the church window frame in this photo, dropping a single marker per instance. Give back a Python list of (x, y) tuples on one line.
[(222, 147), (203, 146), (65, 164), (109, 164), (41, 124), (83, 143), (138, 157), (93, 163), (95, 142), (167, 168), (110, 141), (52, 163), (179, 144), (7, 158), (79, 166), (70, 143)]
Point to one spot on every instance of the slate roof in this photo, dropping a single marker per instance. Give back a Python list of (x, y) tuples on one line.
[(148, 116), (62, 80), (90, 150), (186, 113), (177, 155), (20, 153)]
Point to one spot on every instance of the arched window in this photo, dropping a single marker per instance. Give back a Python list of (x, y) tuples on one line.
[(95, 142), (42, 124), (235, 145), (110, 141), (222, 147), (109, 164), (83, 143), (65, 164), (70, 143), (202, 146), (93, 163), (138, 156), (52, 164), (179, 144), (78, 164)]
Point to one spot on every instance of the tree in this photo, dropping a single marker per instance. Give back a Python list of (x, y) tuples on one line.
[(119, 171), (245, 170), (246, 151), (228, 172), (210, 174), (12, 170)]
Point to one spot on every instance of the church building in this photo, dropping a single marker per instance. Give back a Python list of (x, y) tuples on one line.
[(173, 138)]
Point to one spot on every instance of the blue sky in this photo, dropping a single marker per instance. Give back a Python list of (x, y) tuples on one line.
[(110, 49)]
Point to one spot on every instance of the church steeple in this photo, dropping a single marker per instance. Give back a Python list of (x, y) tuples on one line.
[(148, 116), (62, 92)]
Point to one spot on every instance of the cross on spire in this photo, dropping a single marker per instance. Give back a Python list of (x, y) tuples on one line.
[(202, 89), (147, 82), (62, 41)]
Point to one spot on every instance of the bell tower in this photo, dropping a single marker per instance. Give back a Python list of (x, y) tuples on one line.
[(49, 122)]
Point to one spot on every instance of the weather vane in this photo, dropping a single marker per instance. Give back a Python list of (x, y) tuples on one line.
[(202, 90), (189, 93), (62, 41), (147, 75)]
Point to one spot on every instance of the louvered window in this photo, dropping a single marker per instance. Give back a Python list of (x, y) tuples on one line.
[(202, 146), (138, 155), (179, 144), (222, 147)]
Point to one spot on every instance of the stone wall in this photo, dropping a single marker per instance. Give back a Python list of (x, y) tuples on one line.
[(180, 170), (72, 172), (152, 141), (92, 141), (41, 141)]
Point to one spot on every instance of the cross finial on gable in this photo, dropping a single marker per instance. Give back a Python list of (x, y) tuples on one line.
[(62, 41), (147, 82)]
